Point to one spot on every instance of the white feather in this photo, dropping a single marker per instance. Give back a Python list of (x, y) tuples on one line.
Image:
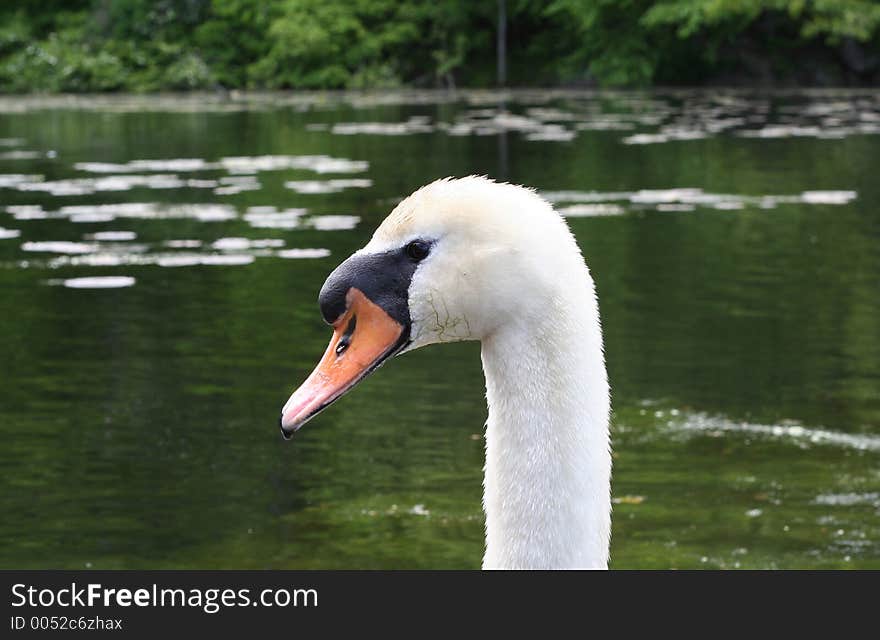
[(506, 270)]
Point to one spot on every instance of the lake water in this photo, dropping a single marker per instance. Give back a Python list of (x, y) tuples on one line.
[(160, 260)]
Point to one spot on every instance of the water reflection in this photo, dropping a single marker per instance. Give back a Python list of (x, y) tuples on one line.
[(160, 303)]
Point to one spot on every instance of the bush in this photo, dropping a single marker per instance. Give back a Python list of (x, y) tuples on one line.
[(149, 45), (188, 72), (62, 64)]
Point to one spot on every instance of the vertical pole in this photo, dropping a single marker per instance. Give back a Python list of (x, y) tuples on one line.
[(503, 153), (502, 42)]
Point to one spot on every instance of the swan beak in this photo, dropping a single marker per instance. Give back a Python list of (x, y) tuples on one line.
[(364, 336)]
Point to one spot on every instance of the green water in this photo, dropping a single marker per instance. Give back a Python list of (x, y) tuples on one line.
[(139, 423)]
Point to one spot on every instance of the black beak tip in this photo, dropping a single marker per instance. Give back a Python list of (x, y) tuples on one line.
[(287, 435)]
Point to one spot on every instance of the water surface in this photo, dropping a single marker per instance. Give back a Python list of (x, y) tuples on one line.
[(160, 260)]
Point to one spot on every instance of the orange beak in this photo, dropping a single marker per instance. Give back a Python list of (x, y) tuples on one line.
[(363, 337)]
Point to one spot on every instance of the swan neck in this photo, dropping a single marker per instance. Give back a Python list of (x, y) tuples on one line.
[(548, 463)]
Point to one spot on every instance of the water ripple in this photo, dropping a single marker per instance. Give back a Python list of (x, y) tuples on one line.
[(800, 435)]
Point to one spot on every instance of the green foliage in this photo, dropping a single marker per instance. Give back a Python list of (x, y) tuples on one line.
[(316, 44), (234, 37), (15, 33), (61, 62), (360, 43), (833, 19), (611, 49), (148, 45), (632, 42)]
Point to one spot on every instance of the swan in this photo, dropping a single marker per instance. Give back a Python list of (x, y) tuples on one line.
[(475, 259)]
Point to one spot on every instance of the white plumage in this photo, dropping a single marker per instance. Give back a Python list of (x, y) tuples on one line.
[(506, 270)]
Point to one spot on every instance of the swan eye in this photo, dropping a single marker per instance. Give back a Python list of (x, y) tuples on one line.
[(417, 250)]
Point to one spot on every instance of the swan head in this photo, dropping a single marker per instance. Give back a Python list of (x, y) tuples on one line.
[(459, 259)]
